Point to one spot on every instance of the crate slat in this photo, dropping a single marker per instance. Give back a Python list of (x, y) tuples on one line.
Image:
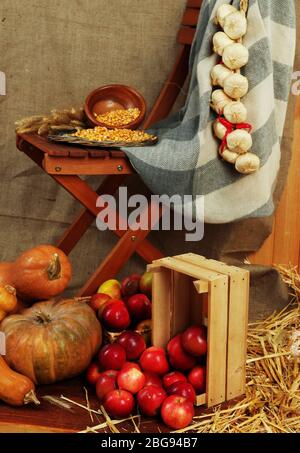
[(161, 307), (217, 341), (192, 270)]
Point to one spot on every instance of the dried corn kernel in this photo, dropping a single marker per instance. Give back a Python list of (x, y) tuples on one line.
[(102, 134), (119, 117)]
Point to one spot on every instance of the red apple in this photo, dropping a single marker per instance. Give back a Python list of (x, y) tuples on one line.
[(112, 288), (171, 378), (133, 343), (93, 373), (150, 400), (97, 300), (115, 315), (194, 340), (179, 359), (184, 389), (146, 283), (152, 379), (139, 307), (130, 285), (197, 377), (177, 412), (131, 379), (105, 384), (112, 357), (129, 365), (154, 359), (111, 373), (119, 403)]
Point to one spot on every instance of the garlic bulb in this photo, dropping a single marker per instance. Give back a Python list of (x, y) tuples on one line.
[(236, 86), (219, 130), (247, 163), (235, 25), (235, 56), (239, 141), (219, 74), (220, 41), (235, 112), (219, 101), (228, 156), (223, 12)]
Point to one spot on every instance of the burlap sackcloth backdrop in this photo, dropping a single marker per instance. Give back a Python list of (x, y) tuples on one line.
[(53, 54)]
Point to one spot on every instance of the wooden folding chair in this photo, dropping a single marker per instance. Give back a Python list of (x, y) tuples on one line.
[(65, 164)]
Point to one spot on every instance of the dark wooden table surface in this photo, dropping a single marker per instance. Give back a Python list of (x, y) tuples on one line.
[(50, 418)]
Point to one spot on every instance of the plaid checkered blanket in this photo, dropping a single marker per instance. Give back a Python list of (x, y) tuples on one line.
[(186, 160)]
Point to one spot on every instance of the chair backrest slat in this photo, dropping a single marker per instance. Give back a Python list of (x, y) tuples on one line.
[(194, 3), (190, 17), (186, 35), (179, 73), (189, 22)]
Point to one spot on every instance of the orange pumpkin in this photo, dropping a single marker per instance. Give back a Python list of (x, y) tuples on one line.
[(52, 340), (8, 300), (40, 273)]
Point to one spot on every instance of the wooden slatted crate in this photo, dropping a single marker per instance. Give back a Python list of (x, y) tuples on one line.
[(190, 289)]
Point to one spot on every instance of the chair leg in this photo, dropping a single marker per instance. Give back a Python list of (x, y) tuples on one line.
[(121, 253), (83, 193), (85, 219)]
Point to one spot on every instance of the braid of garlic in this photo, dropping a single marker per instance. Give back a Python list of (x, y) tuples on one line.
[(228, 44)]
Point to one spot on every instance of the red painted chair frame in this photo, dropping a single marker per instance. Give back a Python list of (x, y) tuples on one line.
[(64, 164)]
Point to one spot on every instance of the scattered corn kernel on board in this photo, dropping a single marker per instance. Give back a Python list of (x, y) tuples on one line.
[(105, 138)]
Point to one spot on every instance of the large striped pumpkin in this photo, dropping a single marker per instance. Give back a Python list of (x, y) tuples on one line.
[(52, 341)]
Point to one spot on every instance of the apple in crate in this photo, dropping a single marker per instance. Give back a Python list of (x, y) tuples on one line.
[(150, 400), (194, 340), (179, 358), (112, 288), (130, 285), (197, 377)]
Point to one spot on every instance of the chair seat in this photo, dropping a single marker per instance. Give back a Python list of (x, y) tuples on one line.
[(72, 160)]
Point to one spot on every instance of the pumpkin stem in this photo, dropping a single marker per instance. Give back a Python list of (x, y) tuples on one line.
[(31, 397), (54, 268), (42, 318)]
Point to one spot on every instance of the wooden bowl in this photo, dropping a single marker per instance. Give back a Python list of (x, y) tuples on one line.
[(114, 97)]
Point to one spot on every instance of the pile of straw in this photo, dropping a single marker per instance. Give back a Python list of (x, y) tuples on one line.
[(272, 400)]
